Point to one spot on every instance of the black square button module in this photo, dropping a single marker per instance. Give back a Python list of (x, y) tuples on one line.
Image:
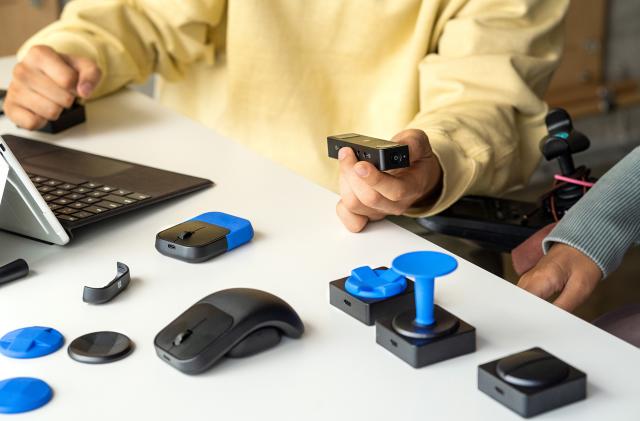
[(448, 337), (368, 310), (532, 382)]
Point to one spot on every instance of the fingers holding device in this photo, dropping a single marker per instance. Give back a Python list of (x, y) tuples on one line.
[(368, 191), (45, 83)]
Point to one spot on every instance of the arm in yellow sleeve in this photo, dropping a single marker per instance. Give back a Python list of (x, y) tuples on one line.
[(130, 39), (481, 90)]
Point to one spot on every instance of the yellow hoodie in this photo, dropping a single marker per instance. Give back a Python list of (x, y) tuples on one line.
[(281, 75)]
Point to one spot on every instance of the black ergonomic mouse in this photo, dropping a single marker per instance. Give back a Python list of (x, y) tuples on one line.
[(532, 368), (235, 322)]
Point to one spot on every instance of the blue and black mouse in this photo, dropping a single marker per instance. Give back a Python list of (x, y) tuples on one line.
[(204, 237)]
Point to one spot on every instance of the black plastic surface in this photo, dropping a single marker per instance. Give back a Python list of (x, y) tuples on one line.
[(534, 368), (368, 310), (383, 154), (68, 118), (422, 352), (192, 241), (218, 323), (13, 271), (100, 347), (110, 291), (552, 382)]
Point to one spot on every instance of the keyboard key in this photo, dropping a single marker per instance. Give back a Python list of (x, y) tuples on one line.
[(90, 200), (138, 196), (74, 196), (39, 179), (49, 197), (60, 192), (119, 199), (82, 214), (106, 189), (108, 205), (97, 194), (66, 211), (62, 201), (52, 183), (92, 185), (67, 186), (53, 206), (94, 209), (121, 192), (78, 205), (45, 189), (67, 218), (82, 190)]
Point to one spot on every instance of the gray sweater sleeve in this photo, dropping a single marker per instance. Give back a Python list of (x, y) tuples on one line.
[(606, 221)]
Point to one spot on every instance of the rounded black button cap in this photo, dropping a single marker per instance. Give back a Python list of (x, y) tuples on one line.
[(533, 368), (100, 347)]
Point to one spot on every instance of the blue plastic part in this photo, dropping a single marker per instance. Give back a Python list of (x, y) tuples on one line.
[(424, 267), (365, 282), (22, 394), (563, 135), (241, 229), (31, 342)]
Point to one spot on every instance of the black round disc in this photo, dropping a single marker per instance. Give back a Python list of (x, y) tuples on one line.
[(445, 323), (100, 347), (533, 368)]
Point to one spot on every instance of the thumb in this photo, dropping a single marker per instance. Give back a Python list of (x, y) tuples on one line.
[(89, 74), (418, 142)]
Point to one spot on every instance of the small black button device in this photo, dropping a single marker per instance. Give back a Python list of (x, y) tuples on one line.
[(68, 118), (532, 382), (100, 347)]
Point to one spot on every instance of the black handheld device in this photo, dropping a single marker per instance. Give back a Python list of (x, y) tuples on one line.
[(3, 93), (383, 154)]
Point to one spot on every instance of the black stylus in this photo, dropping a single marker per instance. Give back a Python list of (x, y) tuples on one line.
[(13, 271)]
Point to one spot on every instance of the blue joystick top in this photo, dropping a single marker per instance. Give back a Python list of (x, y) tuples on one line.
[(424, 266), (31, 342), (379, 283)]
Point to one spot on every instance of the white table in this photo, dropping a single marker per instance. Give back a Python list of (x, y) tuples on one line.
[(336, 371)]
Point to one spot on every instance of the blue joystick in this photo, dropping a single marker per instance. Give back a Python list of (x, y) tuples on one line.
[(424, 267), (365, 282)]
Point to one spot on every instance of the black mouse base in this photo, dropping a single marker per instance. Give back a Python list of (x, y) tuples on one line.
[(422, 352), (531, 401)]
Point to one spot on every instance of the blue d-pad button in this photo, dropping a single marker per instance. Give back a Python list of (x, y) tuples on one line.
[(22, 394), (31, 342), (365, 282)]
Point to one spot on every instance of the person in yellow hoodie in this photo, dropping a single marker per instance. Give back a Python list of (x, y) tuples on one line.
[(459, 81)]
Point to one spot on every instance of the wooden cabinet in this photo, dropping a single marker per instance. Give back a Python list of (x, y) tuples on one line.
[(19, 19), (580, 84)]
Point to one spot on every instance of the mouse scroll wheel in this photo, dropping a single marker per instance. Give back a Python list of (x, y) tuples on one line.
[(182, 336), (185, 235)]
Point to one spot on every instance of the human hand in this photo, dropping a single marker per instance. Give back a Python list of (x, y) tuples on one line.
[(368, 194), (44, 83), (563, 270)]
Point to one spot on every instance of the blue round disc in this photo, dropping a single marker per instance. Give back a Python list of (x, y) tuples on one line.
[(424, 264), (31, 342), (22, 394)]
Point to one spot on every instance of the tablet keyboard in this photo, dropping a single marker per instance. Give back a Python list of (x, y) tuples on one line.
[(72, 202)]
